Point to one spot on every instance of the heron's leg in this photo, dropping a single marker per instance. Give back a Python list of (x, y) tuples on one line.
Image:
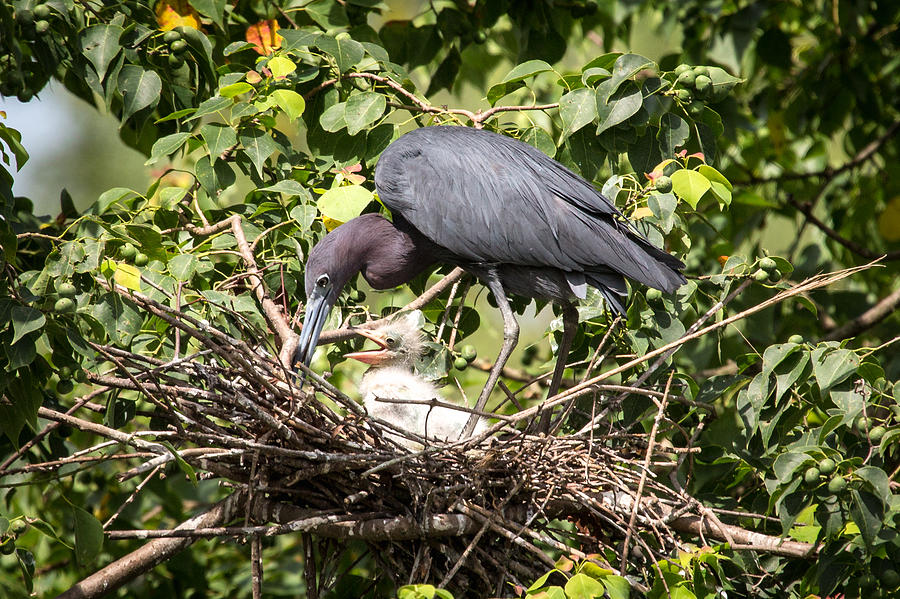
[(510, 338), (570, 326)]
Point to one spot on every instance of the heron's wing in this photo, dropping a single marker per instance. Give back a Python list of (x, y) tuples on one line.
[(490, 198)]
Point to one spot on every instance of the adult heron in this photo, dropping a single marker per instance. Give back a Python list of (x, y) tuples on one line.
[(502, 210), (391, 384)]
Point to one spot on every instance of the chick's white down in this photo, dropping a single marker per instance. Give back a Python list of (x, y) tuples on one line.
[(393, 377)]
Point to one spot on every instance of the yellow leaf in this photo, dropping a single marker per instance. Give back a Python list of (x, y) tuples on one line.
[(889, 221), (176, 13), (641, 212), (330, 223)]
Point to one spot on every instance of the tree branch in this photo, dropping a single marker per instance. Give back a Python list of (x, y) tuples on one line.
[(867, 319), (851, 245)]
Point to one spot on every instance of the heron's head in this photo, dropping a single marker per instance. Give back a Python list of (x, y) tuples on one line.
[(331, 263), (399, 343)]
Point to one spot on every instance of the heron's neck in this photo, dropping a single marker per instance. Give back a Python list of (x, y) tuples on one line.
[(391, 255)]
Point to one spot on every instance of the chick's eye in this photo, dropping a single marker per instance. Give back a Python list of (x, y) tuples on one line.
[(322, 281), (391, 342)]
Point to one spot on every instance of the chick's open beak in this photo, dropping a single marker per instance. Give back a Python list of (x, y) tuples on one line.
[(372, 356)]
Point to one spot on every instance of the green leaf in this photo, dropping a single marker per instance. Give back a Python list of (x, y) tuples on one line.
[(167, 145), (626, 67), (363, 109), (88, 536), (288, 186), (235, 89), (333, 118), (281, 67), (290, 102), (214, 178), (258, 145), (690, 186), (140, 89), (540, 139), (214, 9), (344, 202), (878, 480), (219, 138), (867, 512), (787, 463), (831, 366), (182, 465), (617, 587), (346, 52), (577, 109), (24, 321), (618, 107), (582, 586), (120, 318), (515, 77), (183, 266), (128, 276), (216, 104), (100, 44), (673, 132)]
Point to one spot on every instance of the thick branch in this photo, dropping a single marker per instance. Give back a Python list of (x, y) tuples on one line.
[(867, 319)]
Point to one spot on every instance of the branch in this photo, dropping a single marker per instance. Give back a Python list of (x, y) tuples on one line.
[(141, 561), (851, 245), (867, 319)]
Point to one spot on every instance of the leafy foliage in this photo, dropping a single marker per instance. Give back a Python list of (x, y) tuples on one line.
[(768, 131)]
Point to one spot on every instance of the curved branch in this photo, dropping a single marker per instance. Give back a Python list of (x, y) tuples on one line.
[(867, 319), (851, 245)]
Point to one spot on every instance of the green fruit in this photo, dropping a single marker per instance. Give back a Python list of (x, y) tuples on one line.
[(695, 108), (798, 339), (8, 548), (80, 375), (862, 423), (460, 363), (890, 578), (682, 68), (176, 60), (128, 252), (837, 484), (687, 79), (64, 386), (811, 476), (42, 26), (480, 37), (64, 305), (17, 527), (827, 466), (64, 372), (702, 84), (24, 17), (468, 352), (760, 276), (768, 264), (876, 434), (141, 259), (684, 95), (66, 290), (701, 71), (171, 36), (178, 46), (663, 184), (41, 11), (653, 295), (866, 581)]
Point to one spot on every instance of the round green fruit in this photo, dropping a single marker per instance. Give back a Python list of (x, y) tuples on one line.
[(64, 372), (837, 485), (760, 276), (460, 363), (684, 95), (480, 36), (827, 466), (682, 68), (175, 60), (876, 434), (128, 252), (171, 36), (768, 264), (8, 548), (862, 423), (18, 526), (702, 84), (890, 578), (663, 184), (178, 46), (141, 259), (866, 581), (41, 11), (42, 26), (687, 79), (66, 290), (468, 352), (80, 375), (64, 386), (653, 295), (701, 71), (64, 305), (811, 476), (798, 339)]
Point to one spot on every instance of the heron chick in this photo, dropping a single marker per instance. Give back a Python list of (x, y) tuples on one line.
[(391, 382)]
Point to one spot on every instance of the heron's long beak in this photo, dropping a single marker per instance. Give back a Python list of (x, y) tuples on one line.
[(372, 356), (317, 309)]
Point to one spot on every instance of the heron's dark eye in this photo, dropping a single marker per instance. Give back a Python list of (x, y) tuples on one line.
[(323, 281)]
